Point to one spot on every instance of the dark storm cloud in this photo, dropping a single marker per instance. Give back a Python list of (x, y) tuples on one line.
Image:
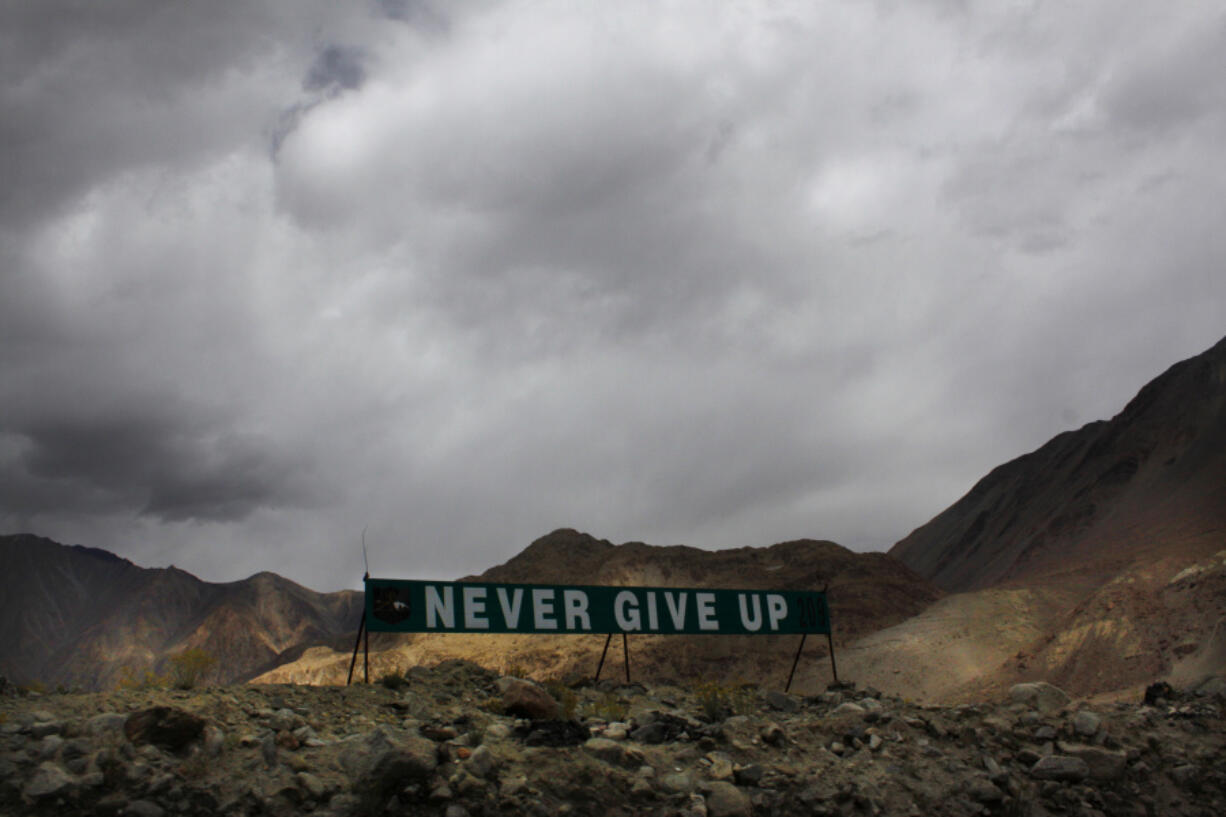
[(336, 68), (148, 453), (418, 13)]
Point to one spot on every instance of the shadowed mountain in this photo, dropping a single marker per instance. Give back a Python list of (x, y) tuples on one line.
[(1106, 546), (1148, 484), (79, 616)]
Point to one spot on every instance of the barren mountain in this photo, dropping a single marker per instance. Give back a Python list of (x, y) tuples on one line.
[(1110, 542), (79, 616), (1149, 484), (868, 591)]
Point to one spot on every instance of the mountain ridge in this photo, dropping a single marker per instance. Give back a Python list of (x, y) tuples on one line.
[(1096, 498), (83, 616)]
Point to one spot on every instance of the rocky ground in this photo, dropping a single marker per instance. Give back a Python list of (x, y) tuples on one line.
[(459, 740)]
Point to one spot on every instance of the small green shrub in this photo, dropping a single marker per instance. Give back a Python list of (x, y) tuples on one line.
[(717, 701), (189, 668), (565, 696), (394, 680), (130, 679), (608, 707)]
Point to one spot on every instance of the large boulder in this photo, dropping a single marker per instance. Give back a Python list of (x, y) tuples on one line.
[(524, 699), (172, 730), (1039, 695)]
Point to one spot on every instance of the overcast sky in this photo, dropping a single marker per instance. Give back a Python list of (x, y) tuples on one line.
[(463, 273)]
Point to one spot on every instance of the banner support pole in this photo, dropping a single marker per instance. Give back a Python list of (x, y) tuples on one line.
[(626, 655), (834, 670), (796, 661), (358, 641), (600, 666)]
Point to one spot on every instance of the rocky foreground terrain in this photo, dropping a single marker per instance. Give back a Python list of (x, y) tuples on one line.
[(457, 739)]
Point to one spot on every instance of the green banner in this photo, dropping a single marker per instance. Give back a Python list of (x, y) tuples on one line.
[(398, 605)]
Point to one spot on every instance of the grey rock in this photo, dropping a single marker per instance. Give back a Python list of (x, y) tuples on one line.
[(726, 800), (721, 766), (1213, 685), (677, 782), (105, 723), (455, 810), (1086, 723), (610, 751), (284, 720), (49, 746), (1045, 733), (848, 708), (1103, 764), (143, 808), (781, 701), (311, 785), (984, 791), (268, 749), (1060, 767), (482, 762), (48, 780), (1039, 695), (214, 740)]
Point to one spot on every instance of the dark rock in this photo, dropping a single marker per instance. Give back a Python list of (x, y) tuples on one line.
[(143, 808), (1157, 692), (391, 772), (726, 800), (1184, 775), (527, 700), (651, 733), (781, 701), (49, 780), (1103, 764), (772, 734), (1060, 767), (750, 775), (172, 730), (984, 791), (553, 733)]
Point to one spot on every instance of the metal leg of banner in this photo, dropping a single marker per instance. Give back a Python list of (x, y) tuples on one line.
[(834, 670), (357, 643), (626, 653), (600, 666), (366, 656), (796, 661)]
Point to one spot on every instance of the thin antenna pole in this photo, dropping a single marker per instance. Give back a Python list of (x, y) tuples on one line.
[(365, 564)]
